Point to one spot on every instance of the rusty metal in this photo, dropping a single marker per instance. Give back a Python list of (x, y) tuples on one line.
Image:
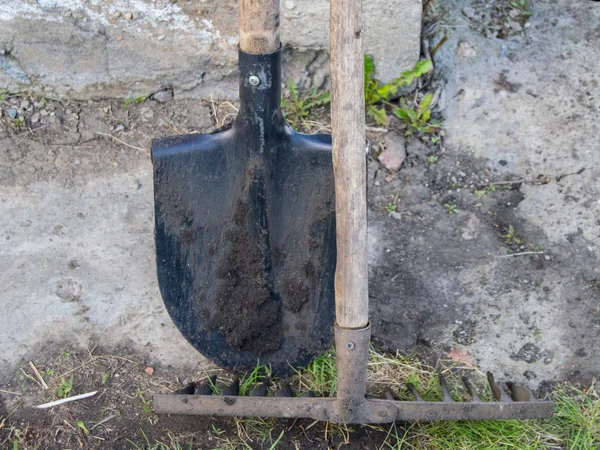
[(351, 405)]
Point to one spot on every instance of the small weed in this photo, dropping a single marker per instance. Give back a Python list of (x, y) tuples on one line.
[(537, 333), (418, 120), (522, 6), (18, 122), (376, 93), (147, 404), (390, 208), (65, 354), (216, 430), (65, 387), (82, 426), (511, 237), (297, 108), (436, 140), (105, 378), (451, 208), (479, 193), (131, 101), (47, 373), (432, 159)]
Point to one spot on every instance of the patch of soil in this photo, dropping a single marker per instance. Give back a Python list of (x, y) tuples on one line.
[(121, 415), (247, 312), (297, 291)]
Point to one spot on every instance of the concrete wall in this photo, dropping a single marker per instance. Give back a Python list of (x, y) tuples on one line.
[(90, 49)]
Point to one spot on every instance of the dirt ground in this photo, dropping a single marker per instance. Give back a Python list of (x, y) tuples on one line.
[(483, 246)]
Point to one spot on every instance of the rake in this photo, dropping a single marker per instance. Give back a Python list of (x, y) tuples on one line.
[(352, 328)]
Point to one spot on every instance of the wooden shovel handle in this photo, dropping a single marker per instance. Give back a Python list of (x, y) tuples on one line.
[(349, 163), (259, 26)]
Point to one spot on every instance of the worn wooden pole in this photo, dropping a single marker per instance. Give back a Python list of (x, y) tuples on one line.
[(349, 163), (259, 26)]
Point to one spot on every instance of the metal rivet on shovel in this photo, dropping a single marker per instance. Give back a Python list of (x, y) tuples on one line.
[(350, 345), (254, 80)]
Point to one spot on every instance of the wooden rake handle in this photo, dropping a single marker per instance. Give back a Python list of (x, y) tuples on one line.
[(259, 26), (349, 163)]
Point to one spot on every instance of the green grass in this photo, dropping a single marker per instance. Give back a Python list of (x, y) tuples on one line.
[(300, 108), (575, 426), (320, 377), (131, 101)]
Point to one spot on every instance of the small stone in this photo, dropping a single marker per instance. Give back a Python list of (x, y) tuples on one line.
[(149, 371), (468, 12), (69, 290), (35, 117), (116, 15), (395, 153), (514, 13), (127, 16), (547, 257), (12, 113), (466, 50), (25, 104), (119, 128), (161, 37), (290, 4), (162, 96), (396, 215), (516, 26)]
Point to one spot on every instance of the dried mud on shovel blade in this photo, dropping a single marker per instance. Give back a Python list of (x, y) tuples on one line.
[(246, 247)]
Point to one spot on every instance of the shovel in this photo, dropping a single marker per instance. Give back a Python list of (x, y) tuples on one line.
[(245, 222)]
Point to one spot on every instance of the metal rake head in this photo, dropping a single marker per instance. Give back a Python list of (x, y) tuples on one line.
[(351, 405)]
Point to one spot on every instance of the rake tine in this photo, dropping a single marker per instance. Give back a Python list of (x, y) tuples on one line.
[(233, 389), (499, 394), (389, 395), (187, 390), (445, 392), (414, 392), (518, 393), (206, 388), (262, 389), (471, 389), (286, 391), (309, 394)]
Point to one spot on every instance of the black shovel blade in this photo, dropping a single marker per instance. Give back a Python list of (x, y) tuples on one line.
[(245, 233)]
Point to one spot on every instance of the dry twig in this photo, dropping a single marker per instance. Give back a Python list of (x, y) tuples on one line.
[(37, 374), (66, 400), (123, 143)]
